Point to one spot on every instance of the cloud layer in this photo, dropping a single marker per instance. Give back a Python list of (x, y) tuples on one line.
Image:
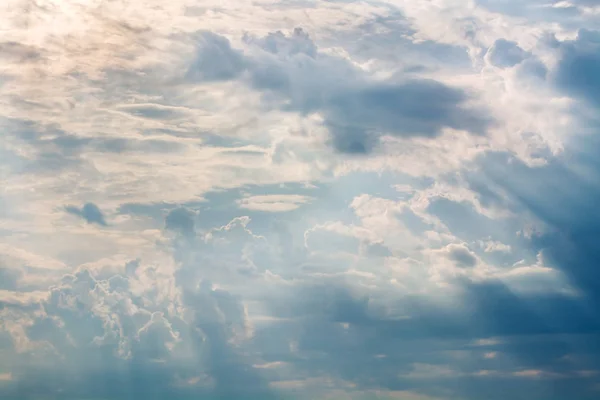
[(306, 199)]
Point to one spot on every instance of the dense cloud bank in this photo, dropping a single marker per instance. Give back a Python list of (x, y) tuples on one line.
[(303, 199)]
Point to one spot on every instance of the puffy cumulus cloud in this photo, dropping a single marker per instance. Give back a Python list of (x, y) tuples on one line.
[(302, 199), (356, 108), (135, 325)]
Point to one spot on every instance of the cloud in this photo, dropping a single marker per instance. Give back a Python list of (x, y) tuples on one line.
[(180, 220), (299, 42), (576, 71), (126, 324), (392, 200), (89, 212), (356, 109), (273, 203), (504, 53), (215, 59), (154, 111), (569, 229), (462, 256), (414, 108)]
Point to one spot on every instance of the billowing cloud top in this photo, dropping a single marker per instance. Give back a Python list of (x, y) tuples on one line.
[(300, 200)]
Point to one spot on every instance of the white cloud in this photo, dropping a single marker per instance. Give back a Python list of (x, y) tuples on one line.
[(273, 202)]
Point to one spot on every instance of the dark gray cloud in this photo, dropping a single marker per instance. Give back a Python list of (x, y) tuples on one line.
[(357, 111), (562, 197), (532, 67), (19, 52), (505, 53), (50, 157), (577, 72), (215, 59), (429, 334), (413, 108), (462, 256), (90, 212), (181, 220)]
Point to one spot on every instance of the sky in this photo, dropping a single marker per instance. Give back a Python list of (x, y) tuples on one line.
[(299, 199)]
